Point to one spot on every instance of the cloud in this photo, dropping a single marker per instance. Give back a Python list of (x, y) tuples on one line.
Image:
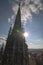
[(33, 46), (33, 9), (37, 1), (9, 20), (36, 43), (27, 8), (2, 40), (26, 14)]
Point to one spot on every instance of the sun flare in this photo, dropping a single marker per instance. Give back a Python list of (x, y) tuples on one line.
[(25, 34)]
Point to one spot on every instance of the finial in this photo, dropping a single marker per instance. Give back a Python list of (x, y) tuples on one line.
[(19, 4)]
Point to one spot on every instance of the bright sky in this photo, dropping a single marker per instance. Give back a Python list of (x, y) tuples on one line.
[(31, 17)]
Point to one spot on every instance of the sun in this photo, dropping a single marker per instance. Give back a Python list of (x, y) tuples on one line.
[(25, 34)]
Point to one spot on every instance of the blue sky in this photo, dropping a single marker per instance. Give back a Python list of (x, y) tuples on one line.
[(31, 16)]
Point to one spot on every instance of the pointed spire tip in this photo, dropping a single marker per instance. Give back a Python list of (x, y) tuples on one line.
[(19, 4)]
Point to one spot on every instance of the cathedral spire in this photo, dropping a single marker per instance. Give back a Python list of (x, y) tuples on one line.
[(16, 50), (17, 24)]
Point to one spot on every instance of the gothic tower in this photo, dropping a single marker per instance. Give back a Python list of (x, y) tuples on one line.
[(16, 51)]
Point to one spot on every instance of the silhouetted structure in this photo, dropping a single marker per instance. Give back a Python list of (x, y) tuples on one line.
[(16, 51), (1, 53)]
